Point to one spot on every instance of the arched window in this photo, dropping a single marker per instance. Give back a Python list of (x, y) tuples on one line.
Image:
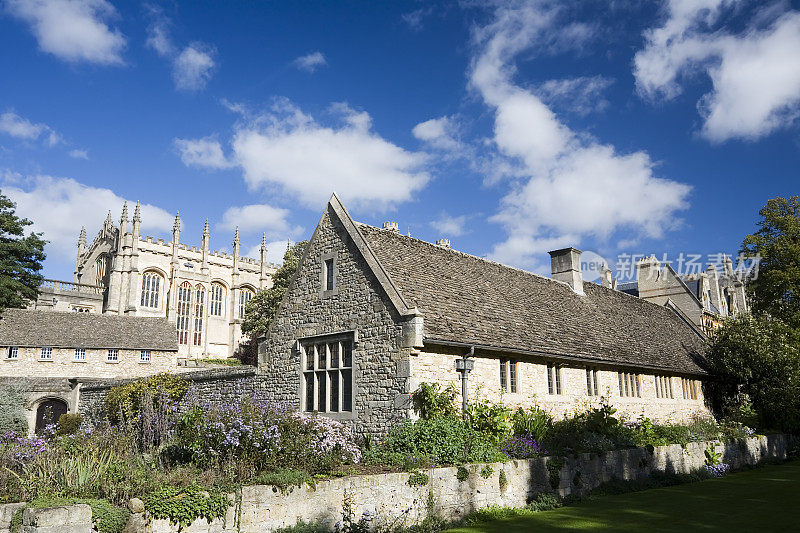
[(217, 299), (245, 295), (100, 270), (199, 301), (184, 310), (151, 289)]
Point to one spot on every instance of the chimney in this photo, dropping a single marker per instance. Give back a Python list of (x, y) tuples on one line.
[(605, 276), (566, 266), (391, 226), (444, 243)]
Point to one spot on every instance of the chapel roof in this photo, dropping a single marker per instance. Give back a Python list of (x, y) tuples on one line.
[(31, 327), (471, 300)]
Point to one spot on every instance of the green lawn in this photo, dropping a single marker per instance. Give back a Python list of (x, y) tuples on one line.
[(765, 499)]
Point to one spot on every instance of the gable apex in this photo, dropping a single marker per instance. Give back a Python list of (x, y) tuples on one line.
[(336, 208)]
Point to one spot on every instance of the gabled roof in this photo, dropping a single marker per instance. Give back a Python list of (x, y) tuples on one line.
[(31, 327), (467, 299)]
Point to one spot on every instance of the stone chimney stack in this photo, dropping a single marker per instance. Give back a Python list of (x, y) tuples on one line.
[(605, 276), (566, 267), (391, 226), (444, 243)]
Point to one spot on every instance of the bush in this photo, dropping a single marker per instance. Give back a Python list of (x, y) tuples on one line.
[(184, 505), (533, 422), (263, 436), (124, 402), (596, 431), (522, 448), (12, 411), (490, 419), (68, 424), (442, 440), (431, 402), (545, 501)]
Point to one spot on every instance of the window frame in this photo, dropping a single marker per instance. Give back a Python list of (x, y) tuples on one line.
[(324, 278), (79, 356), (12, 350), (49, 352), (217, 289), (150, 295), (244, 301), (592, 388), (630, 384), (310, 375), (198, 307), (554, 379), (114, 359), (184, 312), (143, 359)]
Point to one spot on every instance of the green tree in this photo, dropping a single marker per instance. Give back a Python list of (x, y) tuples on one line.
[(262, 306), (755, 363), (20, 258), (776, 289)]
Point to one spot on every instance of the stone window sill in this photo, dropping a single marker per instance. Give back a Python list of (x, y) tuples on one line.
[(112, 362)]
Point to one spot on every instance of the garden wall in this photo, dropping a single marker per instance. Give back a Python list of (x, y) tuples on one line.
[(218, 384), (390, 498)]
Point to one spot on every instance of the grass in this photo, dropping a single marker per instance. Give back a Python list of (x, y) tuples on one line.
[(764, 499)]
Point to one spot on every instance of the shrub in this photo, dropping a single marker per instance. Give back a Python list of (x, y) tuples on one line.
[(68, 424), (417, 479), (283, 479), (184, 505), (264, 436), (443, 440), (545, 501), (431, 402), (487, 471), (490, 419), (533, 422), (462, 474), (597, 430), (124, 401), (12, 411)]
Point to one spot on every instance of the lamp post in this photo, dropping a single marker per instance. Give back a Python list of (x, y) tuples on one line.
[(463, 367)]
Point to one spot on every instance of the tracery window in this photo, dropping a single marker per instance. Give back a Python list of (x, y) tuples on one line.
[(217, 299), (184, 311), (245, 295), (100, 270), (199, 301), (151, 289)]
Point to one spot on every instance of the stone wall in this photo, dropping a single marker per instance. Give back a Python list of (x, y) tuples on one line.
[(216, 385), (356, 304), (435, 364), (389, 498)]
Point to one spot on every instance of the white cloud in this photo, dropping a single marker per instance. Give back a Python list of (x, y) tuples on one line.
[(580, 95), (450, 226), (439, 133), (755, 72), (202, 153), (192, 67), (259, 218), (414, 18), (73, 30), (291, 151), (79, 154), (22, 128), (310, 62), (60, 206), (566, 185)]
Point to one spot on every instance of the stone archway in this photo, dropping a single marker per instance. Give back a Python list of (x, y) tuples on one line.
[(48, 412)]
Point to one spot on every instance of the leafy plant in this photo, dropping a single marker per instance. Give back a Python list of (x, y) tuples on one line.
[(502, 480), (124, 401), (284, 479), (554, 466), (462, 474), (68, 424), (490, 419), (532, 422), (487, 471), (430, 401), (417, 479), (713, 457), (184, 505), (545, 501)]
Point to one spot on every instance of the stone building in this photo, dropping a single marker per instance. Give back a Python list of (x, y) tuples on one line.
[(46, 354), (201, 292), (371, 314), (705, 298)]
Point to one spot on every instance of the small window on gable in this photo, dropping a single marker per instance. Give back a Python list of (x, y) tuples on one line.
[(329, 274)]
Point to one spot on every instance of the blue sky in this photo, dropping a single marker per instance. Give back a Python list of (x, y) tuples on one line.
[(512, 128)]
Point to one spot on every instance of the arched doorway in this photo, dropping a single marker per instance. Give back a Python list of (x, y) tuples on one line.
[(48, 412)]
